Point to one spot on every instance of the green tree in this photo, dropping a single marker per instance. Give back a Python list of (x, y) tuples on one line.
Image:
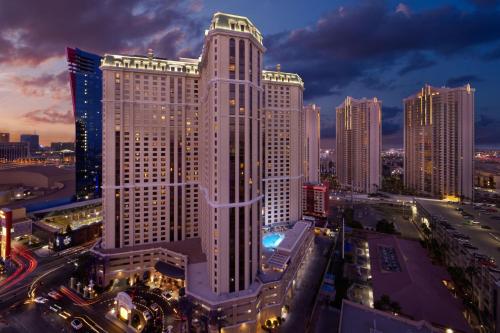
[(386, 304), (385, 227)]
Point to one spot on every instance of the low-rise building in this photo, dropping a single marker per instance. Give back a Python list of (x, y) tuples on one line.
[(13, 223), (314, 200), (487, 175), (246, 311), (10, 151), (357, 318), (470, 243)]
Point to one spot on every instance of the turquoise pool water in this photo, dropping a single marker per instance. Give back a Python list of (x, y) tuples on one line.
[(272, 239)]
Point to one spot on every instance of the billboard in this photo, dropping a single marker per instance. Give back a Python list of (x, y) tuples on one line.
[(62, 241)]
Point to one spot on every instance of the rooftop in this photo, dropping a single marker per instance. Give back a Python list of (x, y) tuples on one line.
[(357, 318), (430, 90), (282, 77), (198, 284), (190, 247), (293, 236), (351, 100), (150, 63), (46, 170), (487, 241), (70, 206), (402, 270), (234, 22)]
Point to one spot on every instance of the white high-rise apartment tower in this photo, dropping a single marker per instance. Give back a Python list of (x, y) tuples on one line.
[(312, 137), (358, 144), (283, 146), (439, 141)]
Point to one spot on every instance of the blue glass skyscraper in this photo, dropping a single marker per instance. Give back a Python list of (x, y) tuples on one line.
[(86, 91)]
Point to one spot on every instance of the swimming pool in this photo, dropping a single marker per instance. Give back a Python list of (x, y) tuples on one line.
[(272, 239)]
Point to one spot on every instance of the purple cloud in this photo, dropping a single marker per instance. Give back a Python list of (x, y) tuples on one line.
[(34, 31), (50, 116)]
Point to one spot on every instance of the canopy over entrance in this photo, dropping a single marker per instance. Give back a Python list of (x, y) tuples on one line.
[(169, 270)]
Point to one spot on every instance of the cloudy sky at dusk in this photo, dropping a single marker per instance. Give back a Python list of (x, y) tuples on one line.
[(388, 49)]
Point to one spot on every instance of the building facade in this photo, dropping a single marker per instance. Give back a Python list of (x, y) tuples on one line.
[(33, 141), (315, 200), (14, 150), (183, 169), (59, 146), (439, 142), (4, 137), (283, 146), (474, 256), (312, 150), (358, 144), (86, 92)]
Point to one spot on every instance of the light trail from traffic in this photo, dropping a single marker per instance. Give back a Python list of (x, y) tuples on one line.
[(23, 271), (20, 268)]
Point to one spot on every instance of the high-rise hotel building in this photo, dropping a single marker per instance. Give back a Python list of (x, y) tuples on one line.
[(191, 148), (358, 144), (231, 152), (439, 142), (283, 146)]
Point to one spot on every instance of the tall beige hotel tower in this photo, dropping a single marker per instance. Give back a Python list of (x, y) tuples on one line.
[(439, 142), (183, 172), (358, 142)]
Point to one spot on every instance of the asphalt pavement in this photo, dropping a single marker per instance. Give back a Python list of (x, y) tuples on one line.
[(308, 282)]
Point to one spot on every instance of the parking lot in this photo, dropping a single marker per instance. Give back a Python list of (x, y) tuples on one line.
[(482, 235)]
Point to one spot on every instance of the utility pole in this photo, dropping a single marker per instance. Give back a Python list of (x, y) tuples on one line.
[(343, 237)]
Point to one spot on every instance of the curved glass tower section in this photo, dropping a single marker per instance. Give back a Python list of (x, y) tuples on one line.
[(86, 92)]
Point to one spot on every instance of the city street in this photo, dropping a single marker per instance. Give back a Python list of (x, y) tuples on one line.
[(308, 282), (20, 314)]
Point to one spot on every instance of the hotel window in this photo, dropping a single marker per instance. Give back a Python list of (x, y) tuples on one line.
[(241, 60), (232, 58)]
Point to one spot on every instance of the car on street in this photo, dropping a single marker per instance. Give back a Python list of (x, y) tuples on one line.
[(41, 300), (147, 315), (54, 295), (155, 307), (56, 308), (166, 295), (76, 324)]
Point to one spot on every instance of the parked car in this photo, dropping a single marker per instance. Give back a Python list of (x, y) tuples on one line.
[(147, 315), (155, 307), (76, 324)]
